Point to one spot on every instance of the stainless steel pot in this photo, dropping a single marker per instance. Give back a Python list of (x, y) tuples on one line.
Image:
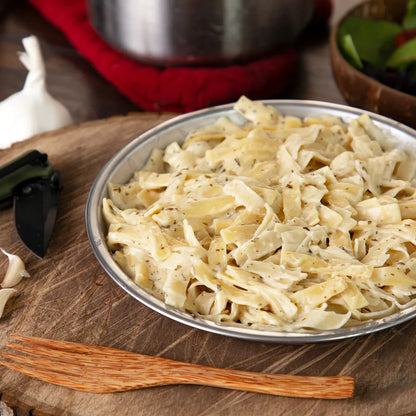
[(199, 32)]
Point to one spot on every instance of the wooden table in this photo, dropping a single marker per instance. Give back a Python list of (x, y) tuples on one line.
[(101, 313)]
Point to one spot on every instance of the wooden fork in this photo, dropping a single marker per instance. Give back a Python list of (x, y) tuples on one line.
[(103, 370)]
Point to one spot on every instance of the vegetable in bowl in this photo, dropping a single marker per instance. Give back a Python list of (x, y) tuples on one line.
[(382, 49)]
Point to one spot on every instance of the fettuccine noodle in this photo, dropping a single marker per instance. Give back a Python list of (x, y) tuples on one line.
[(280, 223)]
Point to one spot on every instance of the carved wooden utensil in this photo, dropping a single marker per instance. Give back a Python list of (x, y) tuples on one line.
[(103, 370)]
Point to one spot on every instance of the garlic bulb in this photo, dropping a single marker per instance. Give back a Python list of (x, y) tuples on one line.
[(15, 271), (5, 295), (32, 110)]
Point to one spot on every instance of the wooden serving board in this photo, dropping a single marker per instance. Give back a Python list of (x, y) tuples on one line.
[(70, 297)]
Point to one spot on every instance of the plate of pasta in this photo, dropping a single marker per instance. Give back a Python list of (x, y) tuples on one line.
[(276, 220)]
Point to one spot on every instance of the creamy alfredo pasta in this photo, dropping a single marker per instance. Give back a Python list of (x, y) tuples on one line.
[(280, 223)]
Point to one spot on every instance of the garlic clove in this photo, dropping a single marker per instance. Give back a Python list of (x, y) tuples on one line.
[(16, 270), (5, 295)]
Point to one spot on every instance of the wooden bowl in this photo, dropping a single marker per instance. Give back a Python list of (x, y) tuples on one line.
[(358, 89)]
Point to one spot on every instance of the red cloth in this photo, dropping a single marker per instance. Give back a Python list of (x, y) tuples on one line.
[(178, 89), (323, 10)]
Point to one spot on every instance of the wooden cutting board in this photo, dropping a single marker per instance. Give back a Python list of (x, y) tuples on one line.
[(70, 297)]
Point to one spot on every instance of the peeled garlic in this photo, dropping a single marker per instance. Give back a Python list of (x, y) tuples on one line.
[(15, 271), (32, 110), (5, 295)]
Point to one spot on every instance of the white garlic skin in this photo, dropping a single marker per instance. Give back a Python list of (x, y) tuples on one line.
[(32, 110), (16, 270), (5, 295)]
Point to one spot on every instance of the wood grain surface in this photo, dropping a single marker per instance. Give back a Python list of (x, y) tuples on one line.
[(69, 297)]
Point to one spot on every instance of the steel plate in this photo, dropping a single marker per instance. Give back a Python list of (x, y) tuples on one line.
[(132, 157)]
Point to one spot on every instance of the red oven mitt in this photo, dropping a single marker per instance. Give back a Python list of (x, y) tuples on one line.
[(178, 89)]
